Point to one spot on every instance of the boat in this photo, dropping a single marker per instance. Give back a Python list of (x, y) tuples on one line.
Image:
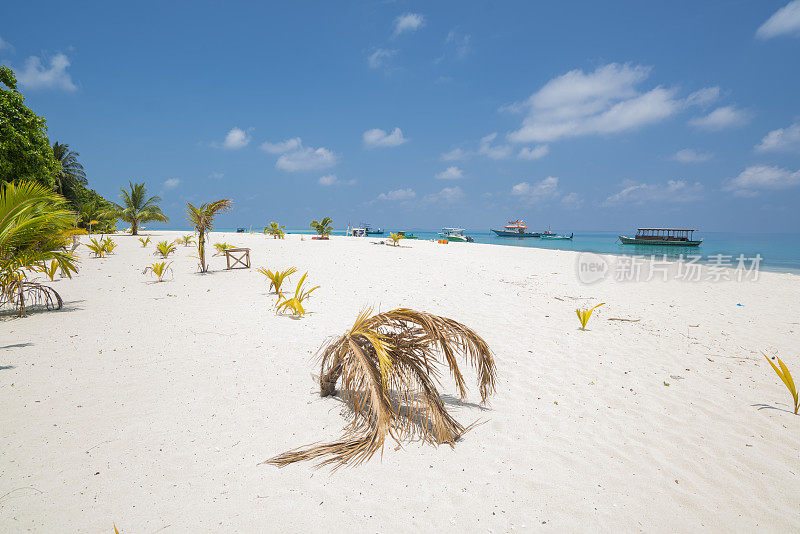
[(455, 234), (518, 229), (372, 231), (677, 237), (558, 237), (354, 231), (407, 235), (240, 230)]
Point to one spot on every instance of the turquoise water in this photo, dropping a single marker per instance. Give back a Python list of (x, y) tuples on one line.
[(779, 252)]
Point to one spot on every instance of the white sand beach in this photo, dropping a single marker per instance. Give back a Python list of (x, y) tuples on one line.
[(151, 405)]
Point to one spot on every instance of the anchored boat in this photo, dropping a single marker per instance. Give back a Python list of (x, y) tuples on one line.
[(407, 235), (518, 229), (455, 234), (559, 237), (679, 237), (372, 231)]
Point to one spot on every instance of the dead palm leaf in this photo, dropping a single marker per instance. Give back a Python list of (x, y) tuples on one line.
[(388, 365)]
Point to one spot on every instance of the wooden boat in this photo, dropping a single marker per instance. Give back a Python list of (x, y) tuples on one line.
[(518, 229), (354, 231), (455, 234), (559, 237), (677, 237), (407, 235), (372, 231)]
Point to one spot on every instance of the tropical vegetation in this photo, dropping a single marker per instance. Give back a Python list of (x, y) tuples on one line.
[(137, 208), (387, 365), (786, 377), (164, 248), (584, 315), (144, 241), (323, 227), (396, 238), (295, 304), (202, 219), (70, 178), (158, 269), (276, 279), (97, 247), (187, 240), (275, 230)]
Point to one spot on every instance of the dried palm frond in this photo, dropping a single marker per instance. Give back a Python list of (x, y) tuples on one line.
[(388, 367)]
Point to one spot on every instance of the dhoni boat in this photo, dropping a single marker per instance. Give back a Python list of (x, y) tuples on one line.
[(407, 235), (678, 237), (455, 234), (518, 229)]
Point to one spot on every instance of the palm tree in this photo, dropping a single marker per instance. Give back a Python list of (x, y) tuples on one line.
[(71, 176), (275, 230), (91, 213), (323, 227), (202, 218), (387, 366), (34, 223), (138, 208)]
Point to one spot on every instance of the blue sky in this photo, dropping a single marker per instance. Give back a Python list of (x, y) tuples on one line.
[(575, 115)]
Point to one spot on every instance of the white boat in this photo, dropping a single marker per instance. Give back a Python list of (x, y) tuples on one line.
[(455, 234)]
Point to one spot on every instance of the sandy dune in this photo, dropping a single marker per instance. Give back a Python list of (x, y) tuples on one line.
[(151, 405)]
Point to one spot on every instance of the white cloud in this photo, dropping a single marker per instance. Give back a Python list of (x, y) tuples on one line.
[(785, 21), (380, 57), (409, 22), (282, 147), (758, 177), (781, 140), (331, 179), (456, 154), (688, 155), (5, 45), (450, 173), (703, 97), (306, 159), (234, 140), (639, 193), (542, 190), (537, 152), (601, 102), (571, 201), (172, 183), (34, 75), (448, 195), (493, 151), (460, 43), (379, 138), (398, 195), (721, 118)]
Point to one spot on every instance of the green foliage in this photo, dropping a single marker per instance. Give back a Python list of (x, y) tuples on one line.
[(584, 315), (96, 214), (25, 151), (50, 270), (109, 245), (164, 248), (98, 248), (275, 230), (202, 218), (144, 241), (295, 304), (323, 227), (158, 269), (187, 240), (276, 279), (71, 178), (221, 247), (786, 377), (137, 208), (396, 238)]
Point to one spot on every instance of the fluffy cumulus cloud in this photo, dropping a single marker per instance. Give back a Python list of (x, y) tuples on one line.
[(639, 193), (687, 155), (450, 173), (703, 97), (380, 58), (281, 147), (781, 140), (234, 140), (35, 75), (408, 22), (757, 177), (571, 201), (720, 119), (457, 154), (172, 183), (537, 152), (398, 195), (537, 192), (494, 151), (605, 101), (448, 195), (331, 179), (785, 21), (306, 159), (379, 138)]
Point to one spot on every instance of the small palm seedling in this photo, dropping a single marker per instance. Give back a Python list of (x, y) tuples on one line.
[(159, 269), (295, 304), (276, 279), (164, 248), (389, 366), (187, 240), (786, 378), (144, 241), (323, 227), (221, 247), (109, 245), (50, 270), (98, 248), (584, 315), (396, 238), (275, 230)]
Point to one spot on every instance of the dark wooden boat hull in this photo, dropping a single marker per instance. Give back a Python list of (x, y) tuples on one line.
[(504, 233), (659, 242)]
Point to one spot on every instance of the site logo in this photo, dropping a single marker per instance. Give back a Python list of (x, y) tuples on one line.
[(591, 268)]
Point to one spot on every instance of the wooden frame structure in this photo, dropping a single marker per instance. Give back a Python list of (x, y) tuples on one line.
[(666, 234), (240, 256)]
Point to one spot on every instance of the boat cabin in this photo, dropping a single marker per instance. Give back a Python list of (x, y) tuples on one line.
[(517, 226), (666, 234)]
